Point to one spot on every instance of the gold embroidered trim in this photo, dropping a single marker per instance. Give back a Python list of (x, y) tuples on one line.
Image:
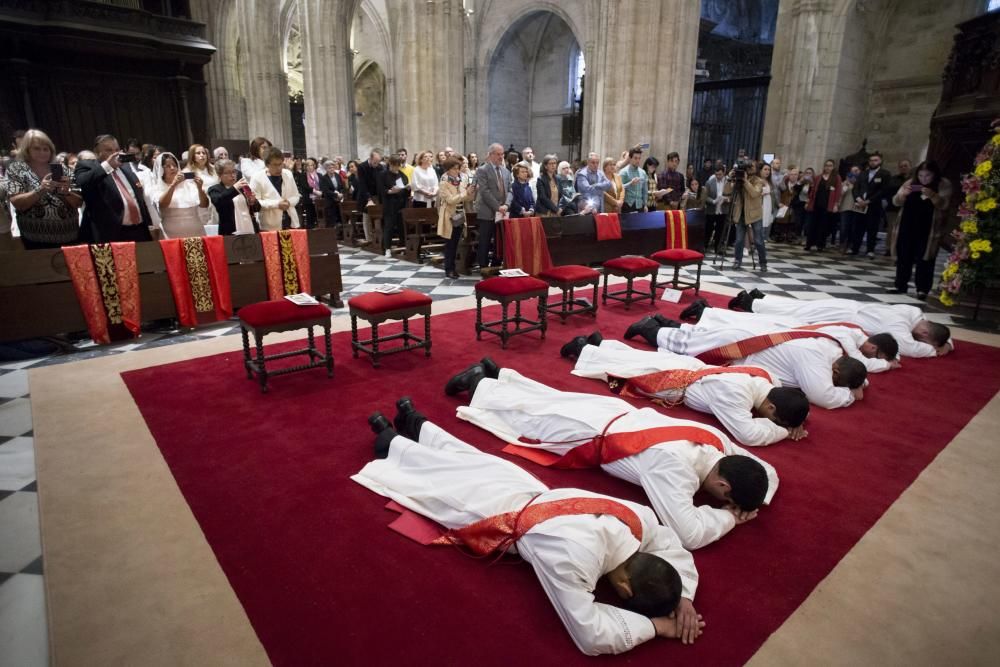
[(289, 268), (104, 267), (197, 269)]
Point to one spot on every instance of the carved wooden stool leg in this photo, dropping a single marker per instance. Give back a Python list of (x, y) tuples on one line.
[(246, 352), (375, 345), (479, 318), (427, 334), (262, 371), (354, 335)]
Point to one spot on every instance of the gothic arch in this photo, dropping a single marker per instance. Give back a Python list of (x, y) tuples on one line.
[(370, 92)]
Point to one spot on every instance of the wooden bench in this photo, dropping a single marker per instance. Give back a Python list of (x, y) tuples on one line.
[(37, 297), (420, 231), (353, 231)]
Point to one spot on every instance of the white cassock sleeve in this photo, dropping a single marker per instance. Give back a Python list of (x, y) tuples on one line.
[(817, 383), (565, 573), (744, 427), (852, 339), (911, 347)]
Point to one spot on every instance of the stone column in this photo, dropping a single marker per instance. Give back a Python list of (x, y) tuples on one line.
[(429, 52), (227, 116), (328, 71), (264, 82), (640, 76)]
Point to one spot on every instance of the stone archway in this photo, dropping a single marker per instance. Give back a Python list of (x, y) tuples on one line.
[(533, 85), (369, 104)]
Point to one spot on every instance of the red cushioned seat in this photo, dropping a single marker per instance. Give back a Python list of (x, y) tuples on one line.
[(376, 302), (678, 255), (569, 273), (282, 311), (631, 264), (500, 286)]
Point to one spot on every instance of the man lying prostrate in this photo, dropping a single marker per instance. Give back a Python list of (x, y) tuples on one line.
[(878, 352), (671, 459), (571, 537), (745, 400), (813, 361), (917, 336)]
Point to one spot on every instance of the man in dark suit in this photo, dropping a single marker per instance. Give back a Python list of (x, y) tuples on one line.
[(493, 190), (872, 192), (369, 191), (332, 188), (115, 207)]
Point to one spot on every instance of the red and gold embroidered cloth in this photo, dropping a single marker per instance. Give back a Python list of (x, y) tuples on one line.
[(677, 230), (743, 348), (651, 384), (106, 280), (286, 262), (199, 278)]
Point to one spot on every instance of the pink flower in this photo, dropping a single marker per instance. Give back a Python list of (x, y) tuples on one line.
[(964, 212), (970, 184)]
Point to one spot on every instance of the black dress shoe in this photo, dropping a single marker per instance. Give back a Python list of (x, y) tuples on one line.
[(741, 301), (573, 348), (647, 327), (665, 321), (490, 368), (756, 294), (595, 338), (694, 311), (378, 422), (404, 407), (467, 380)]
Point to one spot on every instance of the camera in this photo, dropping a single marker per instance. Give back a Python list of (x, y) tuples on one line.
[(127, 157), (740, 170)]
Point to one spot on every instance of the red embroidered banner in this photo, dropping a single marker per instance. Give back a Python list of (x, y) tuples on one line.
[(677, 235), (608, 226), (525, 246), (286, 262), (106, 281), (199, 278)]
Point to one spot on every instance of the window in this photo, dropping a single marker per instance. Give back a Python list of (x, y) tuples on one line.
[(993, 5), (577, 68)]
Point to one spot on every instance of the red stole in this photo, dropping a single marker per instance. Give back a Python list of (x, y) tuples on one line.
[(743, 348), (608, 226), (525, 246), (286, 262), (106, 280), (498, 533), (677, 230), (609, 447), (816, 327), (199, 278), (650, 384)]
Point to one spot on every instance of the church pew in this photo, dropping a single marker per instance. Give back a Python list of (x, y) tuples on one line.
[(37, 297), (353, 227), (420, 231)]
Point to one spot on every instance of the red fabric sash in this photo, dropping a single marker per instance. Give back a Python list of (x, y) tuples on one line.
[(106, 281), (748, 346), (650, 384), (608, 226), (278, 260), (677, 235), (525, 246), (498, 533), (199, 278), (609, 447), (816, 327)]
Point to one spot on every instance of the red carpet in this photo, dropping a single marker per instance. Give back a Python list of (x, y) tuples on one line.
[(325, 582)]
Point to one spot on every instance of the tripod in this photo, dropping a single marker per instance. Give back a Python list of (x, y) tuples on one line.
[(723, 250)]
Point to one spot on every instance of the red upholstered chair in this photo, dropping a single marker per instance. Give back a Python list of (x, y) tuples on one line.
[(507, 290), (376, 308), (677, 253), (283, 315), (567, 278), (630, 267)]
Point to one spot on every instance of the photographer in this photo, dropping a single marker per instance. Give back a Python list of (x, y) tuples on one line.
[(115, 207), (40, 191), (746, 190)]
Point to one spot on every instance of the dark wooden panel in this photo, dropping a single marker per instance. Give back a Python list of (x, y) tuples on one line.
[(37, 297)]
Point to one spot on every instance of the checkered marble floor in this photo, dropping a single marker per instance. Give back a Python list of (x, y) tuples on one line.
[(23, 630)]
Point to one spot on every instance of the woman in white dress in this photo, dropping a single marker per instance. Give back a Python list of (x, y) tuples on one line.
[(425, 181), (179, 199), (199, 164), (259, 148), (769, 202)]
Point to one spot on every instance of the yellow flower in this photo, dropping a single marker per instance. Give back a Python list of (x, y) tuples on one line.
[(970, 226), (986, 205), (949, 272), (996, 139), (981, 245), (975, 255), (983, 170), (946, 299)]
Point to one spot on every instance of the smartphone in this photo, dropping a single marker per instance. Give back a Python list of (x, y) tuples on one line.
[(56, 169), (127, 157), (188, 175), (916, 187), (286, 154)]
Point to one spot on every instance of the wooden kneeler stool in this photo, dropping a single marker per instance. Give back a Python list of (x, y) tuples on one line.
[(506, 291), (630, 268), (567, 278), (282, 315), (376, 308)]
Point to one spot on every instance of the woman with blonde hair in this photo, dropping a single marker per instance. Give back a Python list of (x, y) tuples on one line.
[(615, 196), (200, 164), (179, 198), (425, 181), (453, 196), (46, 208)]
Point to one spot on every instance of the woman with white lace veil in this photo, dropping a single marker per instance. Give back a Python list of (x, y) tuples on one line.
[(179, 199)]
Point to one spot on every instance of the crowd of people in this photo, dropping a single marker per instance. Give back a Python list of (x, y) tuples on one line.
[(115, 192)]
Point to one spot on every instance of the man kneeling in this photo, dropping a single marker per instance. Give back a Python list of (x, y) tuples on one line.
[(571, 537), (671, 459)]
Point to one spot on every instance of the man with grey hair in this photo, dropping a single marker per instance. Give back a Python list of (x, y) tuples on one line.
[(492, 198), (592, 183)]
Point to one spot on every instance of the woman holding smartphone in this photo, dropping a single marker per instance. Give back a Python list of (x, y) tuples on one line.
[(39, 189), (179, 198), (922, 201)]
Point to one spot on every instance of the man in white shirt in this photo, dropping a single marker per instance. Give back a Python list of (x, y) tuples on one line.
[(916, 335), (528, 156), (436, 475), (676, 458), (754, 409), (812, 361)]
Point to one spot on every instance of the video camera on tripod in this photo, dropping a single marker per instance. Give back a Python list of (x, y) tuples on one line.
[(740, 170)]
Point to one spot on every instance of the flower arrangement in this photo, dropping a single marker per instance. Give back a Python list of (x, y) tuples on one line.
[(973, 263)]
